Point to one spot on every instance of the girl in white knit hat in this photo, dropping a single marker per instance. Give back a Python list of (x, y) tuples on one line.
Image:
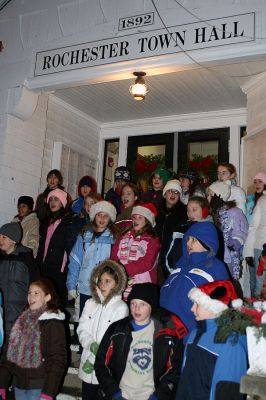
[(93, 245), (138, 248)]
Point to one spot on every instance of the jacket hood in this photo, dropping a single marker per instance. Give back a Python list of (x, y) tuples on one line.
[(206, 233), (120, 287), (92, 183), (52, 315)]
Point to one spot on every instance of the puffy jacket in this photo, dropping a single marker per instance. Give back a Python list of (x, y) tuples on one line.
[(257, 228), (1, 323), (54, 359), (192, 270), (238, 195), (212, 371), (30, 227), (112, 356), (85, 255), (98, 314), (17, 271), (139, 255)]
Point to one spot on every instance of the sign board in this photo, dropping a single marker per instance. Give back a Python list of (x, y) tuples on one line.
[(175, 39)]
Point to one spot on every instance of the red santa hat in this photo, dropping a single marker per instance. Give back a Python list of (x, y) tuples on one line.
[(215, 297), (147, 210)]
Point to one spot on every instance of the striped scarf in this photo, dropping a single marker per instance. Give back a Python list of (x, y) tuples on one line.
[(24, 346)]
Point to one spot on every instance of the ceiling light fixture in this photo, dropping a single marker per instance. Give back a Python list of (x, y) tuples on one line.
[(139, 89)]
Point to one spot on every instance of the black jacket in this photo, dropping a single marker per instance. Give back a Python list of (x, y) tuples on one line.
[(112, 356), (17, 271), (168, 222)]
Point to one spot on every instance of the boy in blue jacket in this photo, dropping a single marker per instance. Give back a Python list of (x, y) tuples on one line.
[(211, 369), (197, 266)]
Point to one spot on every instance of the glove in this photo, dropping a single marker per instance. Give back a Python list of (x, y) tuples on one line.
[(250, 261), (45, 397), (153, 397), (3, 394), (72, 294), (94, 347), (234, 244)]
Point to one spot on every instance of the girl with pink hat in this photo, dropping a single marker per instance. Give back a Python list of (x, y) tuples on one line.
[(138, 248)]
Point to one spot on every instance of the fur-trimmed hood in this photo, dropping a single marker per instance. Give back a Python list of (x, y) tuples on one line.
[(52, 315), (122, 281)]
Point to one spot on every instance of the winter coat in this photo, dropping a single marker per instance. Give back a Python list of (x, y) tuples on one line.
[(139, 255), (1, 323), (212, 371), (192, 270), (30, 226), (54, 359), (250, 201), (113, 352), (257, 228), (84, 256), (124, 219), (98, 314), (54, 265), (170, 224), (239, 196), (153, 196), (17, 271), (234, 225)]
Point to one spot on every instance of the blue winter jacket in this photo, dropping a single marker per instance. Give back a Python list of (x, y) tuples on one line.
[(212, 371), (1, 322), (192, 270), (85, 256)]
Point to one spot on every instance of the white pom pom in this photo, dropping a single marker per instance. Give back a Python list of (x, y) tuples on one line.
[(237, 303)]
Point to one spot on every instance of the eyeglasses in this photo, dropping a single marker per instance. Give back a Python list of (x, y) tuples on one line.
[(172, 191)]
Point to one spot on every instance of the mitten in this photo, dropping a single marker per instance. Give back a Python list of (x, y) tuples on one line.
[(261, 266), (72, 294), (94, 347), (3, 394), (118, 396), (45, 397), (250, 261), (233, 244)]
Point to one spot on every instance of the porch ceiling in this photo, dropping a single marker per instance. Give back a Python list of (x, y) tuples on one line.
[(193, 91)]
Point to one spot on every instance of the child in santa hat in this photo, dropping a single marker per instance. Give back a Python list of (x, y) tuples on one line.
[(138, 248), (212, 370)]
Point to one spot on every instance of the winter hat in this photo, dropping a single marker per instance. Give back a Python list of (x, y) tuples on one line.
[(103, 206), (147, 210), (26, 200), (189, 174), (87, 181), (221, 189), (122, 173), (164, 174), (12, 230), (214, 296), (262, 176), (173, 184), (145, 291), (205, 232), (60, 194)]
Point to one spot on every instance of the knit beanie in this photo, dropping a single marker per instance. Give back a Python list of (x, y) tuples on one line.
[(12, 230), (103, 206), (214, 296), (26, 200), (173, 184), (147, 210), (188, 173), (147, 292), (164, 174), (221, 189), (261, 176), (60, 194), (122, 173), (87, 181)]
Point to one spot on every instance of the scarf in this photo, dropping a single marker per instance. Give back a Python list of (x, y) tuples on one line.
[(24, 347)]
